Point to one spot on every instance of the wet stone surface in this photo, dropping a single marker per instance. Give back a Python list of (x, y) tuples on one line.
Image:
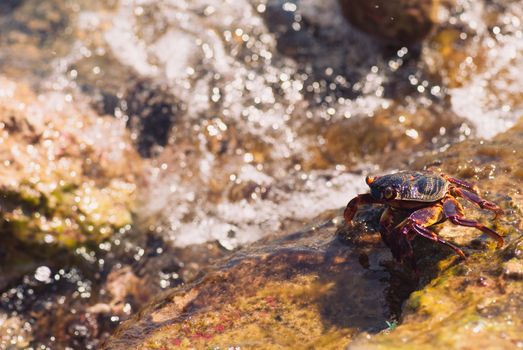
[(78, 300), (474, 303), (66, 178), (67, 186), (314, 288), (307, 288)]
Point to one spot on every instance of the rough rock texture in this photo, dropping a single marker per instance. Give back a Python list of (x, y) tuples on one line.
[(474, 304), (67, 177), (309, 289)]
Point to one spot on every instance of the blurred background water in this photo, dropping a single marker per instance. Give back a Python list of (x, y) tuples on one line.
[(248, 118)]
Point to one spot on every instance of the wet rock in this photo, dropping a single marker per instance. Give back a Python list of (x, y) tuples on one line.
[(34, 33), (400, 21), (149, 107), (152, 112), (9, 5), (63, 306), (307, 288), (477, 303), (388, 136), (469, 305), (471, 63), (67, 176), (14, 263), (513, 269), (67, 181)]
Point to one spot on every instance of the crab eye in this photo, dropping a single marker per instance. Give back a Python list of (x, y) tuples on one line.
[(389, 193)]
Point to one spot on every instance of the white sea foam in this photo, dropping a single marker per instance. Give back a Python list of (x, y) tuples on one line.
[(491, 100), (236, 223)]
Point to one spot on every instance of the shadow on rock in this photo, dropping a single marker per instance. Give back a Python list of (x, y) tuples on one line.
[(305, 288)]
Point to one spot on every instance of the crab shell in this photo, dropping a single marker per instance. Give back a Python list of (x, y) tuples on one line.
[(415, 186)]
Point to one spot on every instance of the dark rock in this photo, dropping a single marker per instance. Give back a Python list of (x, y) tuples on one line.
[(401, 22)]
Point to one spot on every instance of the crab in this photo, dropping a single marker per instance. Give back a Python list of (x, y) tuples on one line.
[(417, 200)]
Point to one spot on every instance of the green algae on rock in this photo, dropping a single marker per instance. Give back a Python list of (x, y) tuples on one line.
[(477, 303), (469, 306), (67, 176)]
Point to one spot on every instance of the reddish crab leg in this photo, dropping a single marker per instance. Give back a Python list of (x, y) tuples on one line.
[(424, 232), (480, 202), (353, 205), (386, 228), (462, 183), (471, 223), (418, 221), (401, 247), (452, 211)]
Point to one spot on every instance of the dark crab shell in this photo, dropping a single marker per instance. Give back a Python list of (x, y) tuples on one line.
[(410, 186)]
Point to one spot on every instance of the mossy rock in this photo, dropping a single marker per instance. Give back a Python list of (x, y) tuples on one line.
[(477, 303), (67, 177)]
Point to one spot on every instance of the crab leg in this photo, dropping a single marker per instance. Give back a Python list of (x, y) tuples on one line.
[(418, 222), (476, 199), (452, 210), (353, 205), (425, 232), (393, 238), (386, 228), (398, 242), (462, 183), (399, 239)]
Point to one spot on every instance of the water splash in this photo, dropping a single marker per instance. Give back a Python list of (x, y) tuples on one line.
[(491, 100)]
